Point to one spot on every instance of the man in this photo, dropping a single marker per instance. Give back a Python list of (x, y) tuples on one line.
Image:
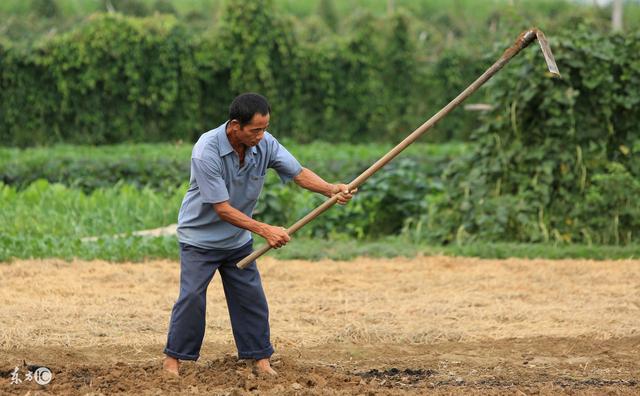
[(228, 166)]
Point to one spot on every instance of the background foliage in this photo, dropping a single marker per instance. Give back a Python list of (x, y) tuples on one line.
[(381, 207), (121, 79), (146, 72), (557, 160)]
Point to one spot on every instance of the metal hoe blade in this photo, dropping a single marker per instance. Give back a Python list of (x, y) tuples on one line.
[(548, 56)]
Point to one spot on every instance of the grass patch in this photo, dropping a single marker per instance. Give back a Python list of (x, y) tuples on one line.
[(314, 249), (136, 249)]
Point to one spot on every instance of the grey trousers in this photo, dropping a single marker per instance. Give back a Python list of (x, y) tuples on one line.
[(245, 297)]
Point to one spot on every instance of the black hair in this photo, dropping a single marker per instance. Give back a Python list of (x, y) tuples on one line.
[(246, 105)]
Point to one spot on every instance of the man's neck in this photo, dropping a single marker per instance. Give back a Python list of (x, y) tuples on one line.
[(238, 147)]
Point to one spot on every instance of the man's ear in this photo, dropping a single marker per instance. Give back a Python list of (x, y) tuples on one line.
[(235, 125)]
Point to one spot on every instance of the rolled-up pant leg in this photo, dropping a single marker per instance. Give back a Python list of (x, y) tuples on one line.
[(247, 306), (186, 329)]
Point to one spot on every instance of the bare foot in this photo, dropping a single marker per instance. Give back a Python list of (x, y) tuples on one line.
[(171, 365), (263, 367)]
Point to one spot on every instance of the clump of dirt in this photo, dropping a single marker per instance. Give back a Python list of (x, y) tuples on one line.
[(398, 376)]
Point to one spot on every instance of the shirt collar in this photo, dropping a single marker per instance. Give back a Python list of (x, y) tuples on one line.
[(224, 146)]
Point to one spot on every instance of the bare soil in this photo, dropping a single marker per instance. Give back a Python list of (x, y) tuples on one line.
[(429, 325)]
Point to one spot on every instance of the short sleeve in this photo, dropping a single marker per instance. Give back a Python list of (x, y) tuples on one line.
[(208, 175), (283, 162)]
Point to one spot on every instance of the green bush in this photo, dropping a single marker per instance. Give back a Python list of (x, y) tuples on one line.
[(117, 79), (557, 160), (114, 79)]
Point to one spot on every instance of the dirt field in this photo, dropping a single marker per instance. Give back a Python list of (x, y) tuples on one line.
[(434, 325)]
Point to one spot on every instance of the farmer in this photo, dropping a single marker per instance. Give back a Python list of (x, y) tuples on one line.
[(228, 166)]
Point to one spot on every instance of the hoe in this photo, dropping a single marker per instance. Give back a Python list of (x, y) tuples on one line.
[(525, 38)]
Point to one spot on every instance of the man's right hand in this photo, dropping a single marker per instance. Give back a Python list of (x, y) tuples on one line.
[(275, 236)]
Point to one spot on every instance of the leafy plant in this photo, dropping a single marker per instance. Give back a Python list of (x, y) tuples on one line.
[(555, 160)]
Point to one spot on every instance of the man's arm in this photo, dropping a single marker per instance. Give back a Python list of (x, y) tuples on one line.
[(309, 180), (275, 236)]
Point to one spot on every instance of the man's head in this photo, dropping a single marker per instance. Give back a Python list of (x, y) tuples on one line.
[(249, 115)]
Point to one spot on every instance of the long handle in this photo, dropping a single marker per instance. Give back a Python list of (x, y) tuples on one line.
[(291, 230), (523, 41)]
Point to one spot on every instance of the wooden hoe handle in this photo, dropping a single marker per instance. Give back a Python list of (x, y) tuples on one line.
[(524, 39)]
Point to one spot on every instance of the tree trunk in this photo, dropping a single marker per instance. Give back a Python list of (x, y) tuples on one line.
[(616, 15)]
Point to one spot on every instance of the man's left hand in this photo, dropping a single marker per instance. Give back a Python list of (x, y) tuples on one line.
[(344, 194)]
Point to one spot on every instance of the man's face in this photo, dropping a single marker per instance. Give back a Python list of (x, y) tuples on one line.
[(252, 133)]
